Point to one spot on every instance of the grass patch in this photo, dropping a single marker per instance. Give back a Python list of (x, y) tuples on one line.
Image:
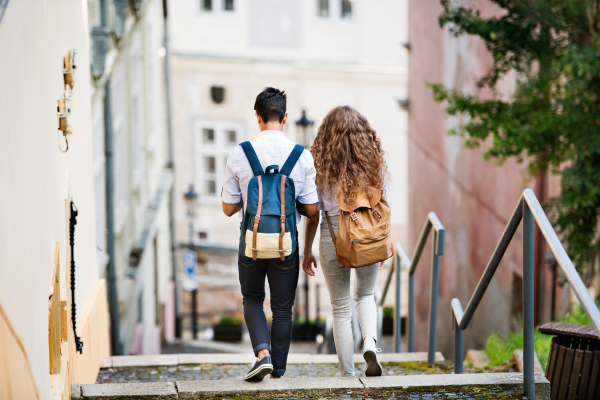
[(500, 348)]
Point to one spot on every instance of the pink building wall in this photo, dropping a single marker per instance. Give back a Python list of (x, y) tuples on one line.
[(473, 198)]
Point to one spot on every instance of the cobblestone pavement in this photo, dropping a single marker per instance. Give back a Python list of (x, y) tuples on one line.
[(237, 371), (468, 394)]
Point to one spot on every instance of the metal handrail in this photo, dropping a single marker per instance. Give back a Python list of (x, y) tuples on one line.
[(529, 210), (403, 262)]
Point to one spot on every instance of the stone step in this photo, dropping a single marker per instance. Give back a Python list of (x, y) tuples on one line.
[(248, 358), (467, 386)]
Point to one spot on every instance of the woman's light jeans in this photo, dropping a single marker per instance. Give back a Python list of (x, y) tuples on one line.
[(337, 278)]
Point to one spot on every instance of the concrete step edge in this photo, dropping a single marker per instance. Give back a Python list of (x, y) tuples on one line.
[(248, 358), (194, 389)]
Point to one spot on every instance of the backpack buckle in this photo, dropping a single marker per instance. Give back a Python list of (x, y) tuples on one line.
[(282, 219), (354, 217), (375, 211)]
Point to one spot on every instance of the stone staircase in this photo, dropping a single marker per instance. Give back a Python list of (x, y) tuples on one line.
[(220, 376)]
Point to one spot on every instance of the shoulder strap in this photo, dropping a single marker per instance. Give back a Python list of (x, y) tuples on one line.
[(291, 161), (330, 228), (252, 158)]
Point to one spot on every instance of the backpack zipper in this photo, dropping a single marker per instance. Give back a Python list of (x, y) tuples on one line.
[(362, 240)]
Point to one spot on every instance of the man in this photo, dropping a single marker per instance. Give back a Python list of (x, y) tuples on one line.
[(272, 148)]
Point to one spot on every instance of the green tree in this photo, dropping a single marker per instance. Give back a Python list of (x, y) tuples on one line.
[(553, 117)]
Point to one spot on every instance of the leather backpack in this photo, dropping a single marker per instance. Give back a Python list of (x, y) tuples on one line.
[(364, 233)]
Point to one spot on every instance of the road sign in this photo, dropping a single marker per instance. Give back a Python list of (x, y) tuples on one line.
[(189, 270)]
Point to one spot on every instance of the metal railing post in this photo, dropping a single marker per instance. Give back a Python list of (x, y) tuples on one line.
[(528, 299), (411, 313), (458, 346), (397, 316), (433, 300)]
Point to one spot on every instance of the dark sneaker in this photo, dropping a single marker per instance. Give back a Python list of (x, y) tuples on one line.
[(260, 369), (373, 366)]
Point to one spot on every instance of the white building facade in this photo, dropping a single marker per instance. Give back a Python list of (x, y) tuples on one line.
[(132, 175), (323, 53)]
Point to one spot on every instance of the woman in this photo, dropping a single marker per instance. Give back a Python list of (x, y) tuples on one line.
[(348, 158)]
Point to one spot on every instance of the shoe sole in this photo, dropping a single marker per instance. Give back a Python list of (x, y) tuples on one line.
[(259, 374), (373, 366)]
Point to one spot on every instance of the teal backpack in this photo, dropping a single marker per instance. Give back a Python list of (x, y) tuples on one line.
[(268, 228)]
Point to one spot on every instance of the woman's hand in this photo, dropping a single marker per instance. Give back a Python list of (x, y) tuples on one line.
[(309, 262), (381, 265)]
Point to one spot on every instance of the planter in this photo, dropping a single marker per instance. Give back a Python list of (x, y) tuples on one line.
[(231, 333)]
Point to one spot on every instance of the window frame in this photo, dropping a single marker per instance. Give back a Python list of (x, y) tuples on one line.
[(219, 149)]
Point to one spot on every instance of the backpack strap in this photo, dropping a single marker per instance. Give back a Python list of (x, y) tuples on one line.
[(374, 211), (252, 159), (292, 160), (257, 217), (330, 229), (282, 219)]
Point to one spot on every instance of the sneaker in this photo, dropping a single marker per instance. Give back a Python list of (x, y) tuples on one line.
[(370, 354), (259, 370)]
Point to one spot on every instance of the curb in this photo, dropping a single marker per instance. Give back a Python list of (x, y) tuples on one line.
[(248, 358), (195, 389)]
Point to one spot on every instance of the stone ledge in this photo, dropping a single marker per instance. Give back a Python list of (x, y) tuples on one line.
[(193, 389), (248, 358), (144, 361), (512, 381), (110, 391)]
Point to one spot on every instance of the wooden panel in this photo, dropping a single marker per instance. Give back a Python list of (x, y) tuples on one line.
[(573, 384), (560, 362), (16, 378), (594, 376), (565, 379), (584, 381), (552, 360), (54, 321)]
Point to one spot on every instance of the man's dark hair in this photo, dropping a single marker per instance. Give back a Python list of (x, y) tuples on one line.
[(271, 104)]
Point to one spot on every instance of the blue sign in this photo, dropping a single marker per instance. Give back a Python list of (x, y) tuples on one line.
[(189, 270)]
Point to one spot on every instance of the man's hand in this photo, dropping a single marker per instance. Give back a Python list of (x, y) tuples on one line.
[(308, 261), (230, 209), (308, 210)]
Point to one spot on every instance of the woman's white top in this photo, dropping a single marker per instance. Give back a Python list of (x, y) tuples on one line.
[(329, 203)]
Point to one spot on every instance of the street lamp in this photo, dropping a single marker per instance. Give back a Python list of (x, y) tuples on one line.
[(190, 201), (304, 125)]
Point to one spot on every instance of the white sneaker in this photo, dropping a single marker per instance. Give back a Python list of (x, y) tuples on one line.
[(370, 354)]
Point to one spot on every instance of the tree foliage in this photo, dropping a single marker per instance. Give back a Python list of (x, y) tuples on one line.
[(553, 117)]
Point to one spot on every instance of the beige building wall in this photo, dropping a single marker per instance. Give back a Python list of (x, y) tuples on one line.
[(36, 177)]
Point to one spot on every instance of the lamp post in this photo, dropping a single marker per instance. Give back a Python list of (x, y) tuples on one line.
[(304, 125), (190, 201)]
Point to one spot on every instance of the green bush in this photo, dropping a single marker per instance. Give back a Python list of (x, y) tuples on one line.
[(388, 312), (500, 348)]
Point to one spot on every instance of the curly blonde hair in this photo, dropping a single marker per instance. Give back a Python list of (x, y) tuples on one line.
[(348, 155)]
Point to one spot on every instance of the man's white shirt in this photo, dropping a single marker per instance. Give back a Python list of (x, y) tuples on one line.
[(272, 148)]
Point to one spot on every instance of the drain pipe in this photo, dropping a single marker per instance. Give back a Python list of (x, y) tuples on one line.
[(171, 164), (110, 236)]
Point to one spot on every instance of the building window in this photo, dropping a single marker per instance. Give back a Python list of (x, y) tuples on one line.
[(346, 9), (228, 5), (214, 141), (323, 8), (206, 5), (231, 136), (208, 135)]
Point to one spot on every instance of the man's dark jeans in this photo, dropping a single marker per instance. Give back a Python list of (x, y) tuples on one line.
[(283, 280)]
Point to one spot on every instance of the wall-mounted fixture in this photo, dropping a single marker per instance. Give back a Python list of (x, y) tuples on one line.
[(69, 68), (404, 104), (406, 45), (217, 93), (99, 37), (120, 7), (64, 109)]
